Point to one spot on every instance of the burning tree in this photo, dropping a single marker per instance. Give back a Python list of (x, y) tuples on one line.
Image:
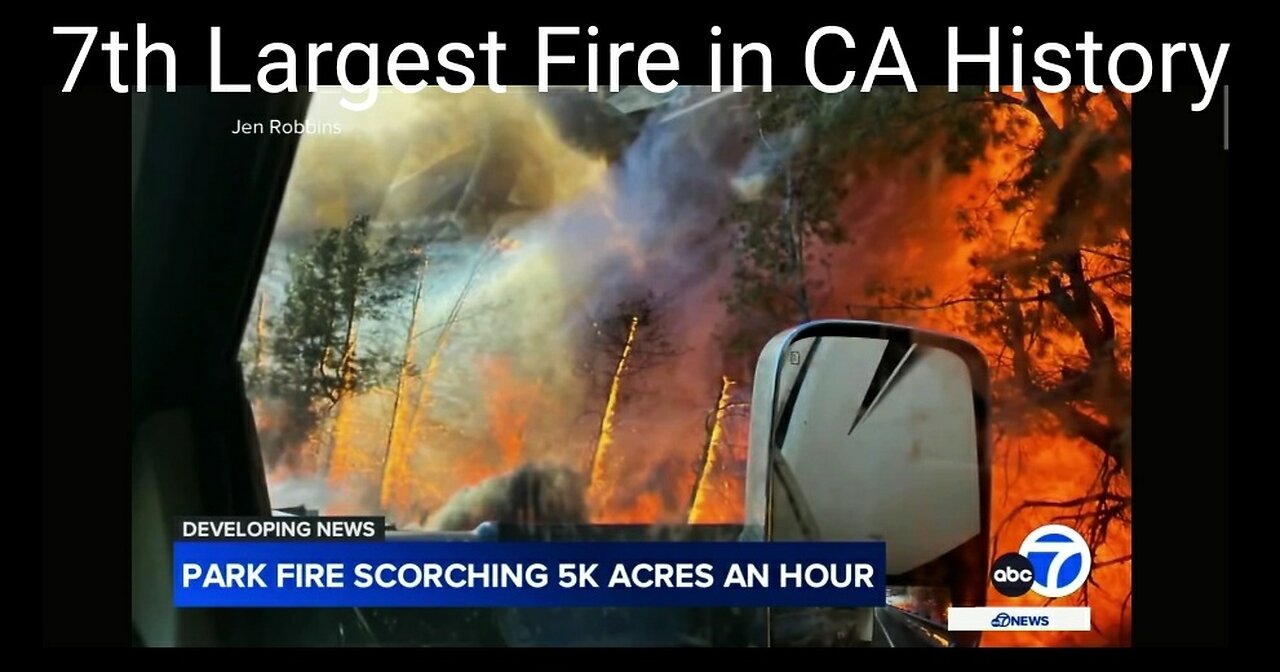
[(410, 427), (711, 448), (253, 352), (627, 339), (1048, 285), (612, 329), (1037, 193), (338, 279), (395, 456)]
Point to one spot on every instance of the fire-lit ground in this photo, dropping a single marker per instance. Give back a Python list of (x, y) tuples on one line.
[(522, 338)]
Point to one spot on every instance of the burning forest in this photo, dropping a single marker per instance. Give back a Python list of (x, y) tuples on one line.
[(567, 292)]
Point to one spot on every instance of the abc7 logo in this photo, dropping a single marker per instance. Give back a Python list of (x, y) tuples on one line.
[(1054, 561)]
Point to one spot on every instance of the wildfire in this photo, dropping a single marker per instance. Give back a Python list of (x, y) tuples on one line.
[(1041, 473), (605, 440), (260, 333), (352, 463), (486, 407), (510, 403), (342, 455), (1049, 467), (646, 509), (422, 407), (714, 439), (394, 496)]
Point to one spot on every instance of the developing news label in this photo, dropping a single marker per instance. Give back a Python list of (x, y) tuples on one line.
[(511, 574), (281, 528)]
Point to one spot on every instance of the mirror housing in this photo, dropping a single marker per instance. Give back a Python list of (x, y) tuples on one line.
[(872, 431)]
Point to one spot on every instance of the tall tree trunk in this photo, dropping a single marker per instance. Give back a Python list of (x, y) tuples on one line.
[(795, 229), (595, 468), (419, 412), (395, 455), (340, 442), (260, 335), (715, 434)]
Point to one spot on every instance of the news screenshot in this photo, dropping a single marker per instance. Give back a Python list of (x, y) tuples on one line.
[(701, 334)]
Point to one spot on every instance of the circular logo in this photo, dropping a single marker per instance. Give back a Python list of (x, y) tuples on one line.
[(1012, 575), (1060, 560)]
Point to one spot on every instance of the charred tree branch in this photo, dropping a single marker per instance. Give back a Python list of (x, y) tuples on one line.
[(1123, 114), (1114, 561), (1038, 297), (1036, 107), (1098, 433)]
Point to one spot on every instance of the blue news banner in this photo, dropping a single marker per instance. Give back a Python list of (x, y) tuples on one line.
[(313, 570)]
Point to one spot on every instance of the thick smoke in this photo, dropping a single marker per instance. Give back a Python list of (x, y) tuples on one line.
[(648, 229), (554, 246)]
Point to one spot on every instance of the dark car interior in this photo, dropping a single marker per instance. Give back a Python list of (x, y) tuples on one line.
[(202, 217)]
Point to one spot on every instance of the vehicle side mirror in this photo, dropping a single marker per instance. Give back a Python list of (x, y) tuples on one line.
[(868, 431)]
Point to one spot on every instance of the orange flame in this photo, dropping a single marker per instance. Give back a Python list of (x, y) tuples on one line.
[(260, 333), (698, 512), (509, 404), (1035, 462), (395, 494), (342, 455), (914, 242)]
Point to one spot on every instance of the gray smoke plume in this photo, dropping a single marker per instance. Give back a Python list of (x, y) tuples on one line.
[(545, 243)]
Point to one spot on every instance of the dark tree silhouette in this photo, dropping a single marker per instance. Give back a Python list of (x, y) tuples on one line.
[(787, 204), (611, 328), (340, 278)]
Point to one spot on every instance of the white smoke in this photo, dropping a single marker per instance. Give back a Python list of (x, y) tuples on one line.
[(648, 227), (310, 492)]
